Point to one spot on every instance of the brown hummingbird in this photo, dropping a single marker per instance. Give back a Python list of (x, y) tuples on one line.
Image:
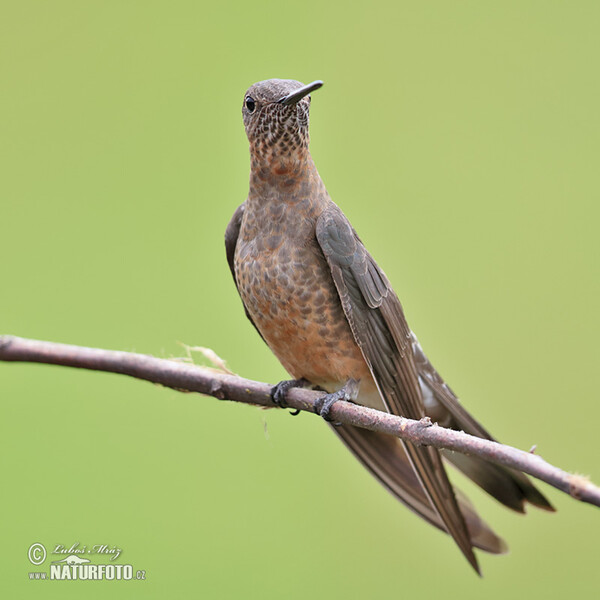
[(329, 314)]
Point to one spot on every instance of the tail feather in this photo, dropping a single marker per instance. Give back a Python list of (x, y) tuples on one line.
[(508, 486), (385, 457)]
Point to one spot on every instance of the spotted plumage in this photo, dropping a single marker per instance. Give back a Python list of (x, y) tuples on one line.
[(330, 315)]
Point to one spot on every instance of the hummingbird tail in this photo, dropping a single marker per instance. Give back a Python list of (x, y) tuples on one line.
[(385, 457), (508, 486)]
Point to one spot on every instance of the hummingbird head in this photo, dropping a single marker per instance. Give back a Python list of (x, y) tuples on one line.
[(275, 115)]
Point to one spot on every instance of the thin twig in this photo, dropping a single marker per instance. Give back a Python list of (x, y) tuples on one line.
[(192, 378)]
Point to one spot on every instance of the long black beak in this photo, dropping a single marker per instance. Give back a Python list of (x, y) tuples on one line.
[(296, 96)]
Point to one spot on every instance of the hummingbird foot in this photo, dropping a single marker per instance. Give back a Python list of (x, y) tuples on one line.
[(348, 393), (279, 391)]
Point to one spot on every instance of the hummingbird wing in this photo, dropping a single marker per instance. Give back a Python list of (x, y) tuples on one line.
[(380, 329), (511, 488), (231, 237)]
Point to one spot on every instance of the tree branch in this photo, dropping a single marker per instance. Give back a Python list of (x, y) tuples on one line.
[(186, 377)]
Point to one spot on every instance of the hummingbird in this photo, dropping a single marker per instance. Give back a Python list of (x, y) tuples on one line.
[(330, 315)]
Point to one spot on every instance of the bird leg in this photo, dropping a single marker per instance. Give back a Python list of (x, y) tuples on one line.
[(279, 391), (347, 393)]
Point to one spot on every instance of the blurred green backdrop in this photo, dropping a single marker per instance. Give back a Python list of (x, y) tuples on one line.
[(461, 138)]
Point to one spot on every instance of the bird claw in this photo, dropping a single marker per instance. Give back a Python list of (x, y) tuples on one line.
[(324, 403), (279, 392), (345, 394)]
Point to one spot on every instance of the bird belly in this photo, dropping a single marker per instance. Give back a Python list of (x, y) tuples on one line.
[(291, 297)]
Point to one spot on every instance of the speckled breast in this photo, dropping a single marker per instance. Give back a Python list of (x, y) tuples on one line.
[(286, 286)]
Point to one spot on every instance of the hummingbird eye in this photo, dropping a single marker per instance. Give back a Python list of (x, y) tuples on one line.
[(250, 104)]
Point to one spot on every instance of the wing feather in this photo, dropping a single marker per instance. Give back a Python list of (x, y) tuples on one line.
[(511, 488), (380, 329), (231, 237)]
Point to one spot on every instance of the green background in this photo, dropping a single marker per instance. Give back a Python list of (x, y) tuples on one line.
[(462, 140)]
